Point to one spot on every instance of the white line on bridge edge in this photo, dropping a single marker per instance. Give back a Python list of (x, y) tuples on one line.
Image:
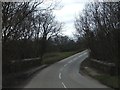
[(59, 75), (64, 85)]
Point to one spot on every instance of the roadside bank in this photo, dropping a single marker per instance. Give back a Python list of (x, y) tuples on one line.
[(109, 80)]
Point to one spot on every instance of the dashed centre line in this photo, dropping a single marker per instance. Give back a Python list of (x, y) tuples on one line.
[(59, 75), (65, 65), (62, 82), (70, 61), (64, 85)]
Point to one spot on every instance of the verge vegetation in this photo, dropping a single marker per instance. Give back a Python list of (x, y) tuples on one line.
[(104, 78), (51, 58)]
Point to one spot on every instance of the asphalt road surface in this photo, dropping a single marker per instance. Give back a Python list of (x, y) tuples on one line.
[(64, 74)]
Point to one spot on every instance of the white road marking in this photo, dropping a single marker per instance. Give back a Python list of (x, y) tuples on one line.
[(59, 75), (64, 85), (65, 65), (80, 55), (70, 61), (75, 59)]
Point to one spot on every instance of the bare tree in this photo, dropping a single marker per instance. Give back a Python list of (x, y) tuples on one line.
[(14, 14), (99, 26), (46, 27)]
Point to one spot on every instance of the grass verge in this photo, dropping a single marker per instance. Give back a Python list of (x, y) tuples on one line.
[(106, 79), (111, 81), (51, 58)]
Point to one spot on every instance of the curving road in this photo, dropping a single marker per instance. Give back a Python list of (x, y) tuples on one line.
[(64, 74)]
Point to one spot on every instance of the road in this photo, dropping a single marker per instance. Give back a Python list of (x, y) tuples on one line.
[(64, 74)]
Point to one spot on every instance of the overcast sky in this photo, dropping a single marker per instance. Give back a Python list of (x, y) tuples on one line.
[(67, 13)]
